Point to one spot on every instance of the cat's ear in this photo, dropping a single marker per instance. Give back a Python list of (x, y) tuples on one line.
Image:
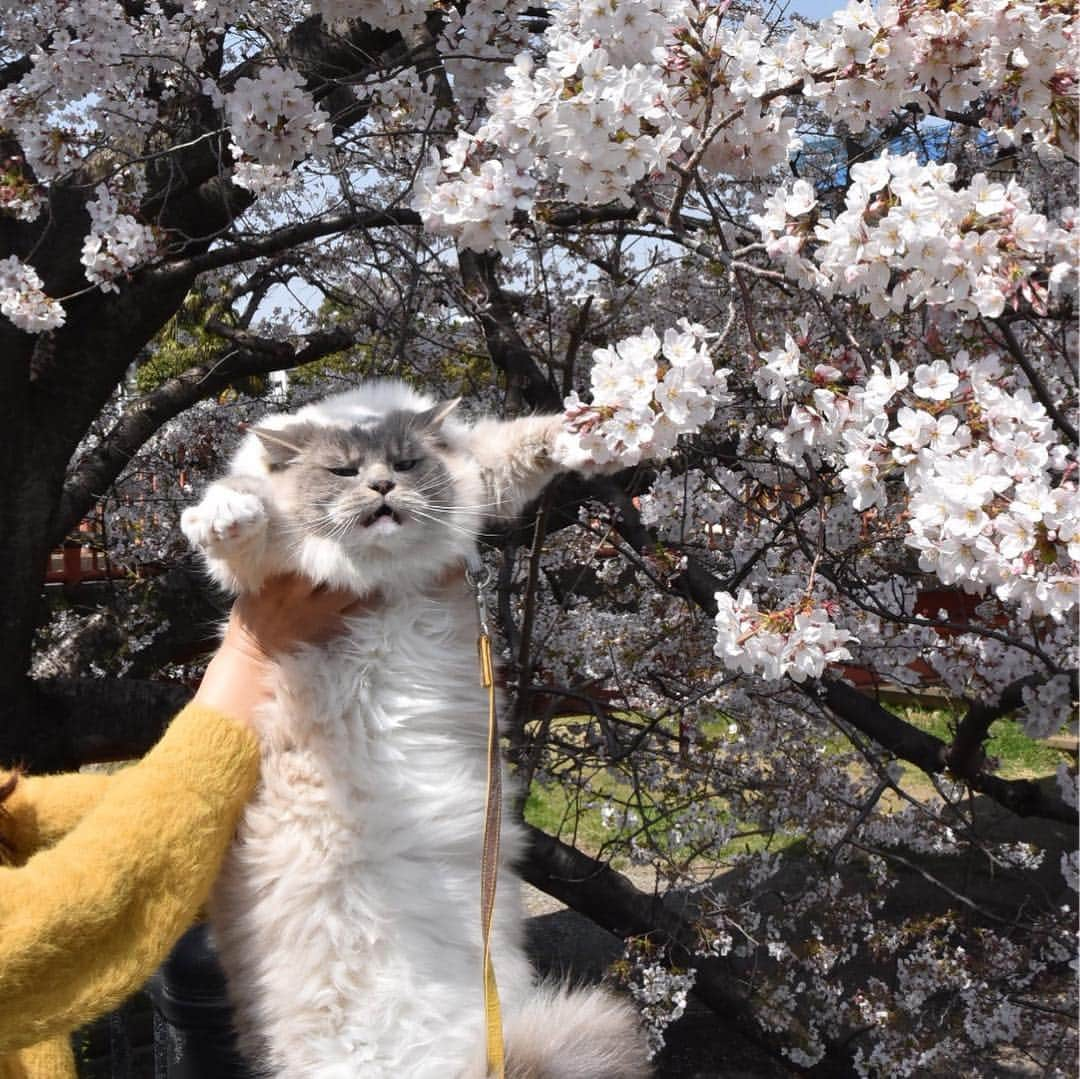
[(432, 419), (282, 445)]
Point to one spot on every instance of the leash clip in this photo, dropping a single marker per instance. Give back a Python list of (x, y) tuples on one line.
[(479, 577)]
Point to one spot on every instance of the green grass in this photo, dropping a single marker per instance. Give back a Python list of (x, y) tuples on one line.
[(573, 812), (567, 814), (571, 809), (1019, 755)]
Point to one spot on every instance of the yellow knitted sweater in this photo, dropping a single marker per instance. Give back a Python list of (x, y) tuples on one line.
[(109, 871)]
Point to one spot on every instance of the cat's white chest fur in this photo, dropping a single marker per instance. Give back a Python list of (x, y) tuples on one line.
[(349, 906)]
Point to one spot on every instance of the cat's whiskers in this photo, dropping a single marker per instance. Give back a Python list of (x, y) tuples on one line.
[(311, 525), (431, 496), (443, 522), (467, 507), (413, 499), (433, 488), (427, 513), (330, 525), (435, 479)]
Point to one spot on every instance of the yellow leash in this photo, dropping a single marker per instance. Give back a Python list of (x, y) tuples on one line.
[(489, 864)]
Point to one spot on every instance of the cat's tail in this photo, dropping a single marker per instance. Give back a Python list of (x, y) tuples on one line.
[(564, 1033)]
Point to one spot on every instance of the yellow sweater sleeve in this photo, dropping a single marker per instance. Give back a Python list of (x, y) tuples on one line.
[(43, 809), (85, 922)]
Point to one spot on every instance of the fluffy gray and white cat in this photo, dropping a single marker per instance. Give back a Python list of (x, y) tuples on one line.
[(347, 913)]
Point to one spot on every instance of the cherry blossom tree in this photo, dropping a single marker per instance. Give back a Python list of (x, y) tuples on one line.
[(806, 294)]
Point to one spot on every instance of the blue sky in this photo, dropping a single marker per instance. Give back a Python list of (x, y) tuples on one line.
[(817, 9)]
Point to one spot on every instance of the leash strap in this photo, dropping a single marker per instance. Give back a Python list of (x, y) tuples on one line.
[(489, 864)]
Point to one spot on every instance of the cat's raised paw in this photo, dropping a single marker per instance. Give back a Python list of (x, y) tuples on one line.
[(568, 453), (224, 519)]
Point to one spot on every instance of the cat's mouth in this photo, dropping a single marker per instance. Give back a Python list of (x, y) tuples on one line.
[(383, 513)]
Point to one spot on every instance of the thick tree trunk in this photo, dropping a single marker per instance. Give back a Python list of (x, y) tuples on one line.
[(89, 720), (29, 495), (51, 391)]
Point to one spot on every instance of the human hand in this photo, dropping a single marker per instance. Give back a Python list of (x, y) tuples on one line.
[(286, 612)]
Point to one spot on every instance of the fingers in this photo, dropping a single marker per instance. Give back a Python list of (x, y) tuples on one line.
[(302, 604), (290, 589)]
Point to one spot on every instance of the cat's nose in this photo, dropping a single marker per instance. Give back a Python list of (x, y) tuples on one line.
[(384, 487)]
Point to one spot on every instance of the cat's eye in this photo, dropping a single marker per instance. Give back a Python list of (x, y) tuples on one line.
[(406, 465), (345, 470)]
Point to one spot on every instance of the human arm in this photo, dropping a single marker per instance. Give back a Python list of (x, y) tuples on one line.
[(43, 809), (84, 922)]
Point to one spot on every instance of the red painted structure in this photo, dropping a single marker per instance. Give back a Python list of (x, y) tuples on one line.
[(79, 560)]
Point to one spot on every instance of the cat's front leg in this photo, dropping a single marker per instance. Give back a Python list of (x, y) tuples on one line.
[(231, 527), (568, 453), (519, 458), (561, 450), (516, 460)]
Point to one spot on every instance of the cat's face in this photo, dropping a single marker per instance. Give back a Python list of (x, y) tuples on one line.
[(382, 489)]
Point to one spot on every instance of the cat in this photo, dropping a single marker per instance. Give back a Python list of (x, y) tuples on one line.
[(347, 912)]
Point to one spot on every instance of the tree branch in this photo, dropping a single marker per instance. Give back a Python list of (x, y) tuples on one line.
[(525, 382), (285, 238), (606, 897), (966, 757), (929, 753), (252, 355), (1038, 387)]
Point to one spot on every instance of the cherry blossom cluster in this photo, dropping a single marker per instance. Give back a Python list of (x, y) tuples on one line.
[(659, 991), (675, 82), (938, 965), (645, 392), (598, 75), (1044, 705), (116, 243), (797, 641), (87, 86), (975, 665), (474, 39), (989, 512), (1015, 55), (691, 504), (619, 94), (475, 203), (988, 503), (23, 301), (274, 123), (731, 88), (907, 236)]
